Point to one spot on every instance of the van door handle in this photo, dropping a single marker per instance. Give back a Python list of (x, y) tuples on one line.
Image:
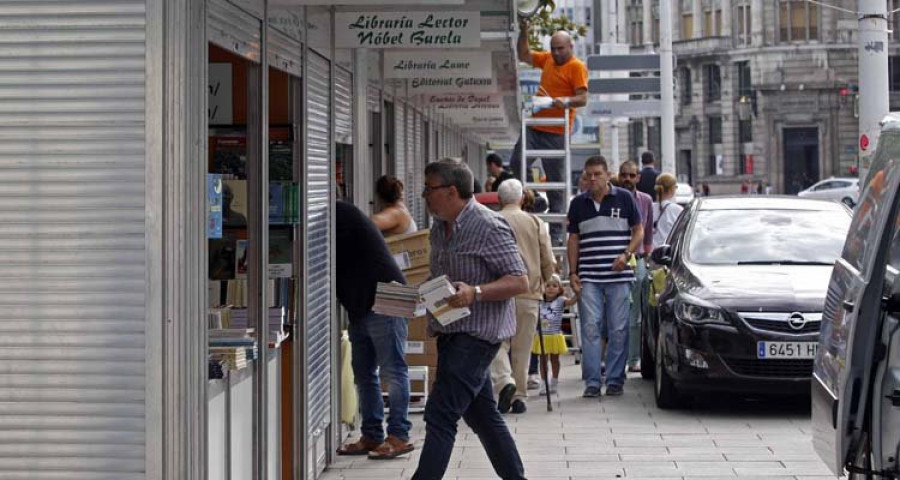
[(849, 306)]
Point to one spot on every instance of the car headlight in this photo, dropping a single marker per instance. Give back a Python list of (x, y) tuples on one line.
[(693, 310)]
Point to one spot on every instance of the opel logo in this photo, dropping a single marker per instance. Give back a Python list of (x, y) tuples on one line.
[(797, 321)]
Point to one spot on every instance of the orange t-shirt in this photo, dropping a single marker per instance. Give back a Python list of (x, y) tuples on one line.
[(559, 81)]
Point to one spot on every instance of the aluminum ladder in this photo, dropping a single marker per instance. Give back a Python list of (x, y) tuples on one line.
[(527, 157)]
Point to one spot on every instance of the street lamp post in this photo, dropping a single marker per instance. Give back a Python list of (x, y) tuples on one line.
[(873, 78)]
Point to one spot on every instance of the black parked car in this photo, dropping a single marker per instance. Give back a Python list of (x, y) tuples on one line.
[(745, 285)]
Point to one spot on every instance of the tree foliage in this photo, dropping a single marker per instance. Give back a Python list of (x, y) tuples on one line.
[(545, 24)]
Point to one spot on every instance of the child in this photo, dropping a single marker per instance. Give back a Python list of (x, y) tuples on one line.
[(551, 312)]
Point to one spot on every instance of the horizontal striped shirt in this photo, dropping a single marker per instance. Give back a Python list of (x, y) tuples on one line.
[(604, 232), (480, 248), (551, 315)]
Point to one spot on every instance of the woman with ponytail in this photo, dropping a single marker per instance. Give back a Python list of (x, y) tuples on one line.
[(394, 218), (665, 210)]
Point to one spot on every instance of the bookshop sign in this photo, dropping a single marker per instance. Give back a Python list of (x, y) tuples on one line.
[(437, 64), (407, 29)]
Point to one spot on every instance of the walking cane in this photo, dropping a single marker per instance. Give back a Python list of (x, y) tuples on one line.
[(546, 362)]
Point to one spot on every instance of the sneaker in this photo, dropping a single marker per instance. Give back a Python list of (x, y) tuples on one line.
[(591, 392), (534, 382), (553, 385), (518, 407), (614, 390), (505, 398), (544, 389)]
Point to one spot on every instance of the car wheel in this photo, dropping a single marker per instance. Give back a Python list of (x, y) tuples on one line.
[(848, 202), (648, 368), (667, 396)]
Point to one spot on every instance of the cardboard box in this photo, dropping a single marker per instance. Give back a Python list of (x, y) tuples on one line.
[(421, 353), (418, 329), (412, 250), (415, 276)]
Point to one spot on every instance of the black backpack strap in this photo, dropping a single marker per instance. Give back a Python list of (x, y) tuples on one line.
[(662, 210)]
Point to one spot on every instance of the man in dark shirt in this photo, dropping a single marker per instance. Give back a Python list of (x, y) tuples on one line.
[(378, 341), (647, 184), (495, 168)]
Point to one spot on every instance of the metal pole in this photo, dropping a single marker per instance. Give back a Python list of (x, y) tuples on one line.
[(873, 78), (614, 145), (667, 85)]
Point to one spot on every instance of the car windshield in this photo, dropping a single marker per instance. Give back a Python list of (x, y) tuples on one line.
[(765, 237)]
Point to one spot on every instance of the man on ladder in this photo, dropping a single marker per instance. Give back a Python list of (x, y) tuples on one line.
[(564, 78)]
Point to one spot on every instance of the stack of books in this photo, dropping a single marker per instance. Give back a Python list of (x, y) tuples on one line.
[(232, 346), (435, 293), (396, 300)]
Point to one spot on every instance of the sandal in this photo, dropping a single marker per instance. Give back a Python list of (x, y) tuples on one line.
[(360, 447), (393, 447)]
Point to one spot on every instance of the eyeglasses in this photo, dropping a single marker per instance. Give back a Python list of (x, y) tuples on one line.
[(629, 175), (428, 189)]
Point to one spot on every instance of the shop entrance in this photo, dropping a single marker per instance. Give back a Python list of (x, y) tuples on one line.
[(800, 158)]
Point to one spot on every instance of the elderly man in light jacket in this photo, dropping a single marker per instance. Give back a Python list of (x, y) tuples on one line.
[(509, 370)]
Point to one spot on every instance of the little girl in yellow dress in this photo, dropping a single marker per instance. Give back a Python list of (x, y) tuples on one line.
[(551, 312)]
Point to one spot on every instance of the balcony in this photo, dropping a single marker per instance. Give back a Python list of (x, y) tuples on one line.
[(701, 47)]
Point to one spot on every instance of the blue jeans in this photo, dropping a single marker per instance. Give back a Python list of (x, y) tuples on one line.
[(639, 291), (463, 389), (604, 306), (378, 349)]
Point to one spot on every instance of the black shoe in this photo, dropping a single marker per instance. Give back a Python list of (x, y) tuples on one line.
[(519, 406), (614, 390), (505, 398)]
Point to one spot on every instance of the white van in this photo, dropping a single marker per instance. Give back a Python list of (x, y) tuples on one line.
[(856, 377)]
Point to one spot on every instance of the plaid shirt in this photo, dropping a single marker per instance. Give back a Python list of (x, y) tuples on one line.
[(481, 248)]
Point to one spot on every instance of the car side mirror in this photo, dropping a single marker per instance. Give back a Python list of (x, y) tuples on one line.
[(662, 255)]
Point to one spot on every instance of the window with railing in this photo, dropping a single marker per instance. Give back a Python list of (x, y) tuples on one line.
[(687, 26), (798, 21), (712, 23), (715, 130), (713, 83), (684, 80), (742, 25)]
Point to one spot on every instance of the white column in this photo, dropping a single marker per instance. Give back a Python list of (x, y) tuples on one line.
[(604, 21), (697, 13), (648, 25), (667, 85), (756, 22), (622, 16), (873, 78), (726, 18), (362, 164)]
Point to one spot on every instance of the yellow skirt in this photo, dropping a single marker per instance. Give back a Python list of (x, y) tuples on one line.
[(553, 344)]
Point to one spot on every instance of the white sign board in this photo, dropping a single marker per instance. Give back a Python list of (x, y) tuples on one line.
[(220, 94), (452, 84), (627, 108), (414, 64), (432, 30)]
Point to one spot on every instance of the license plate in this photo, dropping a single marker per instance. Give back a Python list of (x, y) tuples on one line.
[(798, 350)]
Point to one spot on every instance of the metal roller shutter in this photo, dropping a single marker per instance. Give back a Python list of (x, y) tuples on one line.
[(317, 230), (343, 106), (233, 29), (285, 53), (419, 169), (73, 259), (400, 140), (409, 177), (373, 99)]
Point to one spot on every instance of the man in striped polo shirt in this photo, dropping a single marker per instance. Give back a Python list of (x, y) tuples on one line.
[(604, 232)]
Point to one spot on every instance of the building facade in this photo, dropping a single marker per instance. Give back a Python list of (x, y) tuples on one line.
[(765, 91)]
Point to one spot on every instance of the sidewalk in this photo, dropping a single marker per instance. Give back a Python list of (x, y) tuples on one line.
[(628, 437)]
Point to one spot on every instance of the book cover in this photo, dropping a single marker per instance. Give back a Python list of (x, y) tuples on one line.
[(281, 161), (230, 156), (234, 203), (276, 202), (241, 254), (214, 200), (221, 257)]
